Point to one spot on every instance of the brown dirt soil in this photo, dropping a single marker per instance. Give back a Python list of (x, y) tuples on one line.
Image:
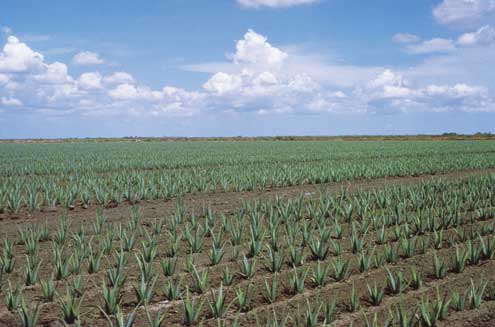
[(483, 317)]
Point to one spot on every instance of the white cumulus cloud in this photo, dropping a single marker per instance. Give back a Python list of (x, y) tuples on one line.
[(222, 83), (91, 80), (255, 49), (432, 46), (455, 91), (56, 73), (462, 12), (259, 77), (485, 36), (17, 57), (87, 58), (119, 78), (127, 92), (392, 90), (261, 80)]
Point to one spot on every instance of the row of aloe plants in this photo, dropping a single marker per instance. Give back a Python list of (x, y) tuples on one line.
[(84, 188), (148, 251)]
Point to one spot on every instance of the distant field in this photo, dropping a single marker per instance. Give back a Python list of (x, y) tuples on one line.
[(48, 175), (229, 233)]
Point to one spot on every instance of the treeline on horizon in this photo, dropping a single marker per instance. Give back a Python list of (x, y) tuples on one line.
[(405, 137)]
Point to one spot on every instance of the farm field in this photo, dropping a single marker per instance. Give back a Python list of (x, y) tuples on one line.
[(258, 233)]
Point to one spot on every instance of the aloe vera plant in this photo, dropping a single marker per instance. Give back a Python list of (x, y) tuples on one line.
[(296, 255), (365, 260), (77, 286), (217, 304), (71, 308), (391, 253), (357, 241), (200, 280), (474, 253), (29, 316), (216, 254), (430, 313), (12, 297), (120, 319), (272, 319), (194, 238), (144, 291), (297, 280), (274, 259), (329, 312), (487, 247), (310, 315), (168, 266), (381, 236), (247, 268), (396, 283), (476, 293), (146, 268), (228, 276), (354, 300), (149, 250), (459, 260), (47, 290), (376, 294), (255, 242), (320, 274), (458, 301), (243, 298), (158, 320), (271, 290), (116, 276), (61, 264), (7, 264), (408, 247), (192, 310), (172, 289), (439, 268), (403, 318), (111, 298), (341, 269), (94, 260), (375, 321), (31, 243), (319, 248), (31, 271), (416, 279)]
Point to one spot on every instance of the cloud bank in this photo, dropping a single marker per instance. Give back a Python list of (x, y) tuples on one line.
[(259, 77)]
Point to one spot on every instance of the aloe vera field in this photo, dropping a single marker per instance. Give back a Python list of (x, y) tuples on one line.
[(254, 233)]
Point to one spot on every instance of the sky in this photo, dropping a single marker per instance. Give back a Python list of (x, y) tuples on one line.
[(245, 67)]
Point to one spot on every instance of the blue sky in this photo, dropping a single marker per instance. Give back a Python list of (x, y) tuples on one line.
[(245, 67)]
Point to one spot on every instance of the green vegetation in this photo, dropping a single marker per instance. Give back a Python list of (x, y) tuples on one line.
[(33, 176), (401, 254)]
